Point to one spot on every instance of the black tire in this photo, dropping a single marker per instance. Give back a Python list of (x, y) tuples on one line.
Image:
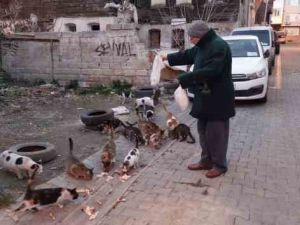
[(40, 152), (144, 92), (169, 86), (96, 117)]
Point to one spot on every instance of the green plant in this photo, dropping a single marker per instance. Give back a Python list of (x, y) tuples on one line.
[(116, 86), (55, 82)]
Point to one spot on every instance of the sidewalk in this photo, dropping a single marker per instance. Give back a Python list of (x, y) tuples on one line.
[(261, 186)]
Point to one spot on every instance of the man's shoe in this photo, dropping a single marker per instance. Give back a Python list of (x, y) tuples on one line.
[(199, 166), (214, 173)]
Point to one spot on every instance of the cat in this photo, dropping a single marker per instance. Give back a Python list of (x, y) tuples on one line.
[(132, 133), (105, 126), (145, 107), (36, 198), (131, 160), (152, 133), (126, 95), (171, 121), (108, 155), (75, 168), (19, 164), (181, 133)]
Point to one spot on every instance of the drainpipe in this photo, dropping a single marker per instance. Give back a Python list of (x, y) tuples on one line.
[(52, 60), (266, 10)]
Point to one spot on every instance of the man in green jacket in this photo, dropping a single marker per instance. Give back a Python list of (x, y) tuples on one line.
[(212, 86)]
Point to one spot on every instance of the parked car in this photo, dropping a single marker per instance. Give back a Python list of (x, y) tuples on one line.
[(281, 36), (266, 36), (249, 68)]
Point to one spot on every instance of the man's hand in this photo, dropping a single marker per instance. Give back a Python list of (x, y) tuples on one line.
[(164, 57)]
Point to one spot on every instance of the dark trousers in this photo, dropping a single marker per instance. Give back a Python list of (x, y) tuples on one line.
[(214, 142)]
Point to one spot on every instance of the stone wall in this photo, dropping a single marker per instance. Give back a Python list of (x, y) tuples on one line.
[(89, 57)]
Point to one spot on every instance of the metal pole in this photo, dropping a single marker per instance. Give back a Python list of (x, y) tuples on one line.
[(266, 10)]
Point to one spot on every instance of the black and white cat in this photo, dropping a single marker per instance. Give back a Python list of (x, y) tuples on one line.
[(131, 160), (19, 164), (145, 107), (34, 199)]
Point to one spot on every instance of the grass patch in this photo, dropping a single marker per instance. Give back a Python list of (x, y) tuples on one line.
[(115, 87)]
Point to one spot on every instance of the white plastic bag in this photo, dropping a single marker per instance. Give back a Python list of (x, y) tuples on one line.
[(181, 98), (158, 65)]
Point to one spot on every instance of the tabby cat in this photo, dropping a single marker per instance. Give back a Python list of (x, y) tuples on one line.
[(152, 133), (75, 168), (108, 156)]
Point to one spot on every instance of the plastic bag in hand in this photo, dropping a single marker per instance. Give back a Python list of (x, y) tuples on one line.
[(181, 98)]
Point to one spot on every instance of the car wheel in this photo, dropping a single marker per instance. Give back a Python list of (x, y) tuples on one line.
[(96, 117), (40, 152)]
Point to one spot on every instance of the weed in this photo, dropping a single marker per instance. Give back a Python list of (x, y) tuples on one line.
[(115, 87)]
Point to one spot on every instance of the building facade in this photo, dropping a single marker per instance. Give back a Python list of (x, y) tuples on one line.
[(286, 15)]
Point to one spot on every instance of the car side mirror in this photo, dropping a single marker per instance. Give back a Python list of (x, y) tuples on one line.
[(266, 54)]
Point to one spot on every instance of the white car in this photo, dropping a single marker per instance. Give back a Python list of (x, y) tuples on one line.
[(266, 36), (249, 68)]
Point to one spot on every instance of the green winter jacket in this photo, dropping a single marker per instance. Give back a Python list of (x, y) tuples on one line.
[(211, 57)]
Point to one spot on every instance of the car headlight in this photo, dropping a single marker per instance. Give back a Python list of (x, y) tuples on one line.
[(256, 75)]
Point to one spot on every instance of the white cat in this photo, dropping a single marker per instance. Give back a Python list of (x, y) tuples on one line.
[(131, 160), (19, 164)]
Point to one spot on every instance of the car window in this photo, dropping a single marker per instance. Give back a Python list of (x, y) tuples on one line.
[(263, 35), (243, 48)]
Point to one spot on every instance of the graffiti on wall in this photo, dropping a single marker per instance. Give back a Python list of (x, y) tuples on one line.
[(9, 48), (114, 49)]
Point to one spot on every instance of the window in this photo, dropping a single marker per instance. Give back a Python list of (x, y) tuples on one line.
[(71, 27), (243, 48), (154, 36), (158, 3), (178, 38), (293, 2), (263, 35), (94, 26)]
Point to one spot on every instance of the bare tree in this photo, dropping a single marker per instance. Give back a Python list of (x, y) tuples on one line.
[(10, 22)]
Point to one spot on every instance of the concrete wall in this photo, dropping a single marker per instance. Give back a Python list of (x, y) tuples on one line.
[(89, 57), (120, 53)]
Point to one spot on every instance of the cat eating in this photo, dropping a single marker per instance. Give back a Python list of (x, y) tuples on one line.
[(132, 133), (19, 164), (108, 155), (75, 168), (152, 133), (105, 126), (131, 160)]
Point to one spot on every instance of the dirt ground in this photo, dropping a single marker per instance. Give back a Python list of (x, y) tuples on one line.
[(50, 114)]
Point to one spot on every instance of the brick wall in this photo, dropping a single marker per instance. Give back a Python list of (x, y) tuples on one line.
[(89, 57)]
